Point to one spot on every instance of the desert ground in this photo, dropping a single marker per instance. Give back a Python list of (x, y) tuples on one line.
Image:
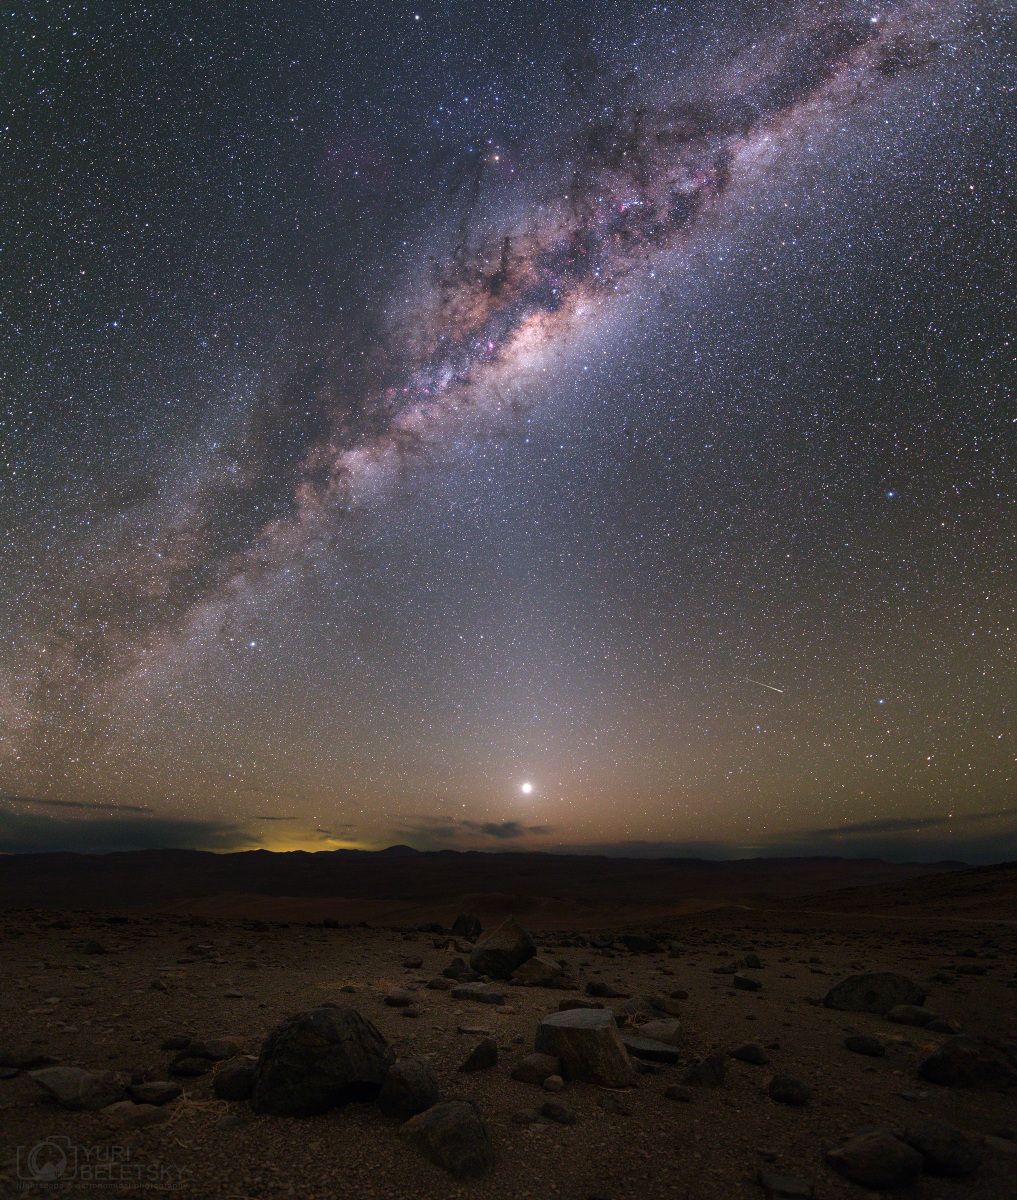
[(126, 992)]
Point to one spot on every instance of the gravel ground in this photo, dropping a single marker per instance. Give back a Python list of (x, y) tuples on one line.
[(166, 975)]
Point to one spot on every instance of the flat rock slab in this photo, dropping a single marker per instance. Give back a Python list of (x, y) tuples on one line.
[(650, 1049), (874, 991), (589, 1045), (73, 1087), (410, 1087), (480, 993), (452, 1135)]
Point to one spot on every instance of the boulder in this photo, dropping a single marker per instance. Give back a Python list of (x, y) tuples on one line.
[(536, 1068), (944, 1149), (874, 991), (589, 1046), (482, 1057), (860, 1043), (784, 1187), (709, 1072), (969, 1062), (504, 951), (468, 926), (235, 1079), (73, 1087), (876, 1159), (319, 1059), (542, 971), (18, 1059), (789, 1089), (452, 1135), (604, 991), (410, 1087)]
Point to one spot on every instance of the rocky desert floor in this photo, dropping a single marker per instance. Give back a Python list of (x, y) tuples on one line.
[(106, 993)]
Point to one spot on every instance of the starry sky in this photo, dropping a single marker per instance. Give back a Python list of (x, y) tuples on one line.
[(532, 426)]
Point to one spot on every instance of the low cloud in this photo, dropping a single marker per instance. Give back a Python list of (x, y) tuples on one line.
[(89, 805), (425, 832), (24, 833)]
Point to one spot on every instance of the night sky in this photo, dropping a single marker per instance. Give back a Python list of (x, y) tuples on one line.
[(521, 425)]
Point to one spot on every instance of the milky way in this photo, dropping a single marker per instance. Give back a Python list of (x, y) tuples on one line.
[(539, 244), (644, 177)]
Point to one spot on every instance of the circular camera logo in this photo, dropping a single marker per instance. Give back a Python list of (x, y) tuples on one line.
[(55, 1158)]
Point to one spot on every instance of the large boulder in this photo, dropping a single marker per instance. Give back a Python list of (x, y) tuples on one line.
[(319, 1059), (876, 1159), (410, 1087), (589, 1045), (73, 1087), (452, 1135), (504, 951), (969, 1062), (874, 991), (945, 1150)]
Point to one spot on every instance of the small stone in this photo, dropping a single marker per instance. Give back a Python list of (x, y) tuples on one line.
[(859, 1043), (746, 983), (125, 1114), (535, 1068), (399, 998), (452, 1135), (411, 1012), (561, 1114), (667, 1031), (526, 1116), (789, 1089), (482, 1057), (750, 1052), (710, 1072), (784, 1187), (679, 1092), (413, 964), (943, 1025), (159, 1092), (235, 1080), (910, 1014), (228, 1121), (93, 947), (441, 984), (479, 993), (611, 1103), (553, 1083), (604, 991), (187, 1066), (751, 962), (876, 1159), (24, 1059), (410, 1087)]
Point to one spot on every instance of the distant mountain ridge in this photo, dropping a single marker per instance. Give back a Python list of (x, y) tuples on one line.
[(153, 878)]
